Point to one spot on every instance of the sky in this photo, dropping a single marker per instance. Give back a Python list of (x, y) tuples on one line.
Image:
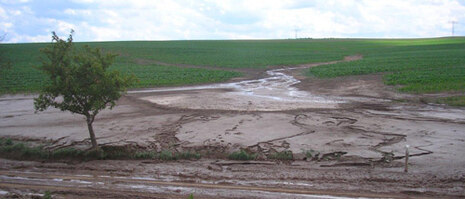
[(114, 20)]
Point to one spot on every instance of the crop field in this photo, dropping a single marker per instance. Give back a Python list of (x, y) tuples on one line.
[(417, 65), (22, 74)]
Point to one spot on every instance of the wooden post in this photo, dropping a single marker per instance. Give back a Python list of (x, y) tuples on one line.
[(406, 158)]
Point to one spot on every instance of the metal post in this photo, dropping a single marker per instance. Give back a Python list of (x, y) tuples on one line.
[(406, 158)]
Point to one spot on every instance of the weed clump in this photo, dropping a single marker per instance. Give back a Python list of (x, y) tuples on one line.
[(145, 155), (47, 195), (167, 155), (10, 149), (66, 153), (242, 155), (311, 154), (283, 155), (20, 150)]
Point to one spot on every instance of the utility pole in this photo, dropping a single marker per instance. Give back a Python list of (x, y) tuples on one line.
[(453, 26), (296, 30)]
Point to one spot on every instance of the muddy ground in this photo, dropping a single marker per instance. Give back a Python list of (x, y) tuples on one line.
[(357, 125)]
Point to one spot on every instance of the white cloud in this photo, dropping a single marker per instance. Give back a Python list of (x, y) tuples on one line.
[(241, 19)]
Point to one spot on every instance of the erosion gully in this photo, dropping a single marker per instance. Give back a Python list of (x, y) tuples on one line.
[(276, 92)]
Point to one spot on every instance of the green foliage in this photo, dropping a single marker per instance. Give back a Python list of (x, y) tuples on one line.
[(80, 81), (283, 155), (4, 61), (453, 101), (145, 155), (311, 154), (418, 66), (116, 152), (47, 195), (65, 153), (153, 75), (19, 147), (410, 63), (34, 153), (80, 77), (8, 141), (20, 150), (187, 155), (191, 196), (242, 155), (166, 155)]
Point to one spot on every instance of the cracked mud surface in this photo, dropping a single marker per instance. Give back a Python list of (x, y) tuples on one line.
[(353, 135)]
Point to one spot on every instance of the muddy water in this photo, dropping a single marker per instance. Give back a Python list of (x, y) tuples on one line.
[(272, 93), (82, 183)]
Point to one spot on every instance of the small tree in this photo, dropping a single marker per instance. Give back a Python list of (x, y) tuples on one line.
[(80, 81)]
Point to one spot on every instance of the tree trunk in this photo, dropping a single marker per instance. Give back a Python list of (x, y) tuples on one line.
[(92, 134)]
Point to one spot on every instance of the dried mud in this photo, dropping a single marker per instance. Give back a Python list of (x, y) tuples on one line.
[(357, 125)]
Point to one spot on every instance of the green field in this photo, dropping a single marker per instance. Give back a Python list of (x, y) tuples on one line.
[(418, 66), (415, 65)]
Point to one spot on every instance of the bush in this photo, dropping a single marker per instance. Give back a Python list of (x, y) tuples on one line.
[(242, 155)]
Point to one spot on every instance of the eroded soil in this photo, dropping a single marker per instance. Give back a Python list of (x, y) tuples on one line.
[(357, 125)]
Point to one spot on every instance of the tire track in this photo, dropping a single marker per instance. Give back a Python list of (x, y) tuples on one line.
[(113, 189)]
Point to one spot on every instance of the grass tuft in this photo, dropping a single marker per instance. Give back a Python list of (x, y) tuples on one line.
[(22, 151), (453, 101), (283, 155), (145, 155), (242, 155)]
